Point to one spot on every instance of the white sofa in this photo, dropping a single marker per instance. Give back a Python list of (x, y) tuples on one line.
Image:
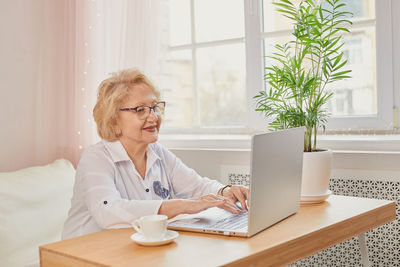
[(34, 204)]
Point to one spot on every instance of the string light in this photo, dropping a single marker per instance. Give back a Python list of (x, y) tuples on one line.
[(90, 26)]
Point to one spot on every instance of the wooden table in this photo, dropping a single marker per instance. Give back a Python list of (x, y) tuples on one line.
[(314, 228)]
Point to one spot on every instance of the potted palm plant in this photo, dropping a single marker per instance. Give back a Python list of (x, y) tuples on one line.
[(296, 83)]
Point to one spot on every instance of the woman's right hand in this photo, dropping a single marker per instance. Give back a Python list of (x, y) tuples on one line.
[(174, 207), (198, 204)]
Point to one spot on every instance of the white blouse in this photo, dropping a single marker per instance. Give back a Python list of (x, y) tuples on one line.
[(110, 193)]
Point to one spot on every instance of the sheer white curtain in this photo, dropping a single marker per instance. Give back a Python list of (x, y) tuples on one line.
[(36, 82), (55, 54), (145, 35), (54, 92), (110, 36)]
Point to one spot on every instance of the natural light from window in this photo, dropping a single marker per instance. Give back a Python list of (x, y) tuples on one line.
[(203, 68), (204, 73)]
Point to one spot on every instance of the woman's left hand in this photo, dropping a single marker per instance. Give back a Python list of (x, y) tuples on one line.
[(238, 193)]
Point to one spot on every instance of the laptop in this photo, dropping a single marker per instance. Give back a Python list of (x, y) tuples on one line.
[(275, 186)]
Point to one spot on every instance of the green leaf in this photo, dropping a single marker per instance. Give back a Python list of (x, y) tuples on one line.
[(341, 73), (340, 66), (329, 2), (337, 60), (286, 12), (340, 5), (286, 7), (287, 2), (343, 29)]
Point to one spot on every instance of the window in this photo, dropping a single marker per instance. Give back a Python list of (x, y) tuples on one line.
[(214, 63), (356, 102), (205, 69)]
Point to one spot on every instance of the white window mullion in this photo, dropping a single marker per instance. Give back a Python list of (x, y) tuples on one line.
[(396, 55), (384, 62), (194, 66), (254, 61)]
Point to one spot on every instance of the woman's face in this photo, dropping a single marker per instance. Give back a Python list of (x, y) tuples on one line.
[(134, 130)]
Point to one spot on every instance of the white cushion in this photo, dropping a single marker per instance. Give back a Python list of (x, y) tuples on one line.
[(34, 204)]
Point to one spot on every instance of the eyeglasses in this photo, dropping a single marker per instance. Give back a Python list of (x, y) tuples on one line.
[(144, 111)]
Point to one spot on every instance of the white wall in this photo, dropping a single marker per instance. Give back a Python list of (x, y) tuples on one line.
[(396, 55), (345, 165), (208, 162)]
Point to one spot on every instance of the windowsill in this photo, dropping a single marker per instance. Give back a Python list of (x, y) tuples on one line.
[(343, 143), (373, 157), (362, 143)]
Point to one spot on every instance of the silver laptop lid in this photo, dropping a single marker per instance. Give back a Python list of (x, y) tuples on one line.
[(275, 179)]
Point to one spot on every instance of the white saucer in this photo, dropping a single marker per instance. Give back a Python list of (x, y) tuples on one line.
[(168, 238), (315, 198)]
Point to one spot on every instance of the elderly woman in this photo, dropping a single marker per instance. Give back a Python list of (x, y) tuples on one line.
[(128, 174)]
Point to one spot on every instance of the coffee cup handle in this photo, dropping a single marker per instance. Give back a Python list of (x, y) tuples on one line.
[(137, 226)]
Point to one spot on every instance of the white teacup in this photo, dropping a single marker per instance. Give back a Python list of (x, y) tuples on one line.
[(152, 227)]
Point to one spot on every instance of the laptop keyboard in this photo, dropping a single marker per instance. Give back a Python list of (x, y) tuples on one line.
[(234, 222)]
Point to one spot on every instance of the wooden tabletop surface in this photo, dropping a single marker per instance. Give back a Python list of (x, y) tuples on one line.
[(313, 228)]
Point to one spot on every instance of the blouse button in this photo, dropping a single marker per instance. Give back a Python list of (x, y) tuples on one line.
[(147, 190), (105, 202)]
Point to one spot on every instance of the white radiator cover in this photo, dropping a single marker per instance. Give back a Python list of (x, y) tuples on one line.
[(383, 243)]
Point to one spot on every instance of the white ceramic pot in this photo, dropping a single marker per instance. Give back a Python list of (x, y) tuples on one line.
[(316, 173)]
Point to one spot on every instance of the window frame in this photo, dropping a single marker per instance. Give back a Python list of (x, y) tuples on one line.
[(253, 36)]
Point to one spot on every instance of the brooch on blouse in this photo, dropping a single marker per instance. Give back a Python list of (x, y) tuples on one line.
[(160, 190)]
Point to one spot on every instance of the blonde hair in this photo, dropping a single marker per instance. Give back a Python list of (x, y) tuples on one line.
[(112, 92)]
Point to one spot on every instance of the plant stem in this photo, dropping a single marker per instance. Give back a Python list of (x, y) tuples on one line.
[(307, 139), (315, 137)]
